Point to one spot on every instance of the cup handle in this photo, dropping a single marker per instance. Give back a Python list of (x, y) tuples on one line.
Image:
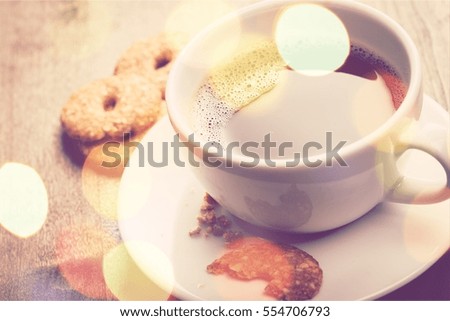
[(433, 140)]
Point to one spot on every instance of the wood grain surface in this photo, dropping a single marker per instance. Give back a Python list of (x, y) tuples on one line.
[(50, 49)]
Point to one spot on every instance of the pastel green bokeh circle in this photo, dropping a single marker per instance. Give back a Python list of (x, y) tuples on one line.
[(311, 39)]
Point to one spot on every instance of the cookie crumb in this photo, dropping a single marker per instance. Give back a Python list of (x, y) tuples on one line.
[(212, 224), (217, 230), (209, 200), (231, 236), (223, 221), (206, 208), (207, 217), (195, 232)]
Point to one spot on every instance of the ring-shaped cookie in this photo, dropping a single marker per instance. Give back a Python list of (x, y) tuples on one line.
[(152, 58), (110, 107)]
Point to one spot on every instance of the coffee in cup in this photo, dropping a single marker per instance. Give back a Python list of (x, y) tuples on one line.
[(257, 94)]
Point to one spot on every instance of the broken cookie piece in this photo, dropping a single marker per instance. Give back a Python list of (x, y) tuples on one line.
[(291, 273)]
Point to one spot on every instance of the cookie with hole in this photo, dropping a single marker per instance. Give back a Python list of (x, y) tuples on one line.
[(151, 58), (107, 108)]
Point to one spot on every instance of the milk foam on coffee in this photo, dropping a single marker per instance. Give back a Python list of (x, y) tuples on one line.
[(255, 94), (233, 85)]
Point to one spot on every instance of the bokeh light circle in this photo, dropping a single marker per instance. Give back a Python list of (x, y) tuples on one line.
[(23, 200), (79, 252), (311, 39), (127, 280)]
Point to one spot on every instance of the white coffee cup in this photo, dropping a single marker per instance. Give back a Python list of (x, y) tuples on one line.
[(302, 198)]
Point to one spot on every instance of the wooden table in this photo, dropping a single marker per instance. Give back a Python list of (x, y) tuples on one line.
[(48, 50)]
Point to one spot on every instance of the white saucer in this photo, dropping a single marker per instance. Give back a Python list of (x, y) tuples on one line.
[(385, 249)]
